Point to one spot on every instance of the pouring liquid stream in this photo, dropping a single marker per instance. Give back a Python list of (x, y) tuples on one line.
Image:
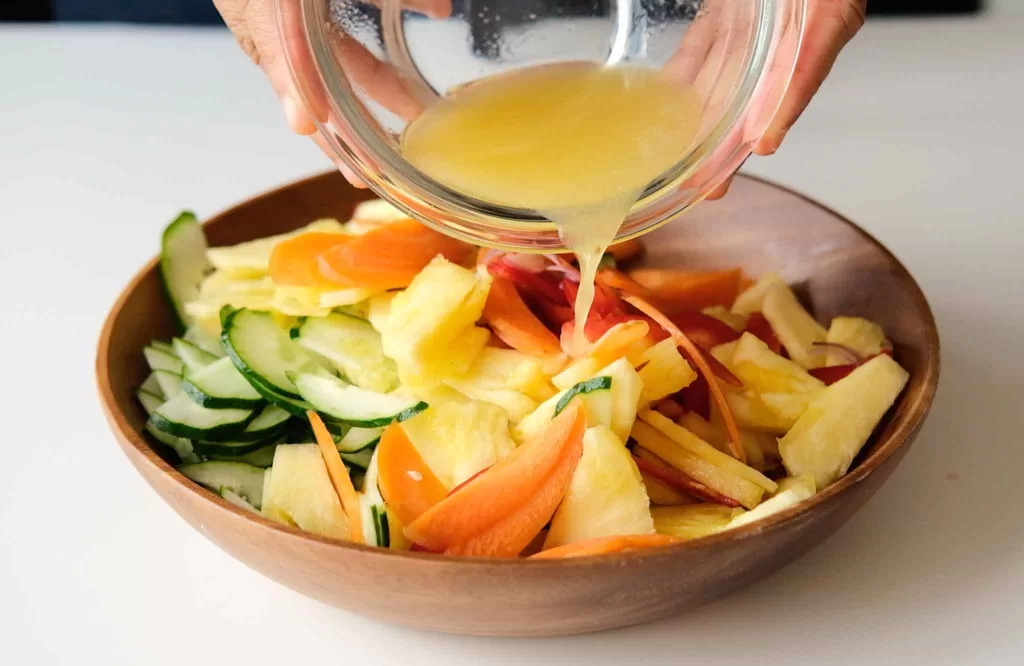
[(576, 142)]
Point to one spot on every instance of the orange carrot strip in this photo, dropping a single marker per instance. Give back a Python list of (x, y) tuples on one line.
[(407, 484), (389, 256), (674, 290), (735, 444), (605, 545), (293, 261), (514, 323), (511, 535), (339, 477), (501, 491)]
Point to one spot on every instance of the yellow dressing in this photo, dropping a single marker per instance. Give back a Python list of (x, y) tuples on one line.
[(576, 142)]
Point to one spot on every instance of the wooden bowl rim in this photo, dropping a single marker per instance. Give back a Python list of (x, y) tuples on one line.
[(899, 432)]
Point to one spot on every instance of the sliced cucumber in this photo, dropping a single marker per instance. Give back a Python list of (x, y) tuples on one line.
[(295, 406), (360, 459), (196, 336), (182, 417), (183, 262), (220, 385), (353, 346), (582, 388), (159, 359), (227, 449), (150, 401), (194, 358), (357, 439), (268, 424), (151, 385), (237, 500), (374, 512), (170, 383), (259, 458), (163, 346), (240, 478), (263, 352), (352, 405)]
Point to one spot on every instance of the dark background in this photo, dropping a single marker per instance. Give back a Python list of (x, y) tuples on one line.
[(202, 12)]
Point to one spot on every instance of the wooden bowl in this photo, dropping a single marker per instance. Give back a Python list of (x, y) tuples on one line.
[(839, 270)]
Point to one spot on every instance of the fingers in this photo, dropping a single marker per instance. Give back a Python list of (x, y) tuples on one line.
[(721, 190), (377, 79), (830, 25)]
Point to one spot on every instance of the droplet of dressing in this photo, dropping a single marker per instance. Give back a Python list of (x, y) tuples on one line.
[(414, 475)]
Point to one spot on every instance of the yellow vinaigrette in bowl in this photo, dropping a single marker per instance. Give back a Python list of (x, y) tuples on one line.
[(577, 142)]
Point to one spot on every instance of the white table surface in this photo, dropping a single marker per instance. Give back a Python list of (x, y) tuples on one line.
[(105, 133)]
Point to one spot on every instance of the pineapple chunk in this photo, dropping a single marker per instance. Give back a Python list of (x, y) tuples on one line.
[(751, 413), (299, 302), (379, 309), (718, 479), (796, 329), (346, 298), (734, 320), (627, 339), (792, 490), (766, 372), (615, 409), (661, 493), (606, 496), (299, 492), (863, 336), (377, 211), (494, 375), (723, 352), (752, 300), (664, 372), (826, 439), (754, 443), (431, 332), (457, 440), (219, 289), (702, 449), (252, 259), (693, 521)]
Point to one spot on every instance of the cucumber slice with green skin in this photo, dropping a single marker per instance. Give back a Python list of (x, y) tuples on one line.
[(263, 352), (162, 360), (221, 386), (240, 478), (194, 358), (294, 406), (181, 446), (225, 313), (163, 346), (353, 346), (229, 449), (350, 404), (182, 417), (232, 498), (183, 262), (374, 512), (603, 383), (200, 339), (170, 383), (270, 423), (360, 459), (151, 385), (263, 457), (150, 401), (358, 439)]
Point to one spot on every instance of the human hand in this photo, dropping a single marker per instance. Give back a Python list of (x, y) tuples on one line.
[(828, 27), (254, 25)]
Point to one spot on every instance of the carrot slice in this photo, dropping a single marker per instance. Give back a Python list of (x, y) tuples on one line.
[(619, 280), (388, 257), (513, 534), (339, 477), (503, 489), (735, 444), (406, 482), (674, 291), (605, 545), (293, 262), (514, 323)]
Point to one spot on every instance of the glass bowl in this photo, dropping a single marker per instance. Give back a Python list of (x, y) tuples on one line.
[(367, 70)]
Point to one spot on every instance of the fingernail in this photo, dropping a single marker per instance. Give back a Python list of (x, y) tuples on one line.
[(291, 112)]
